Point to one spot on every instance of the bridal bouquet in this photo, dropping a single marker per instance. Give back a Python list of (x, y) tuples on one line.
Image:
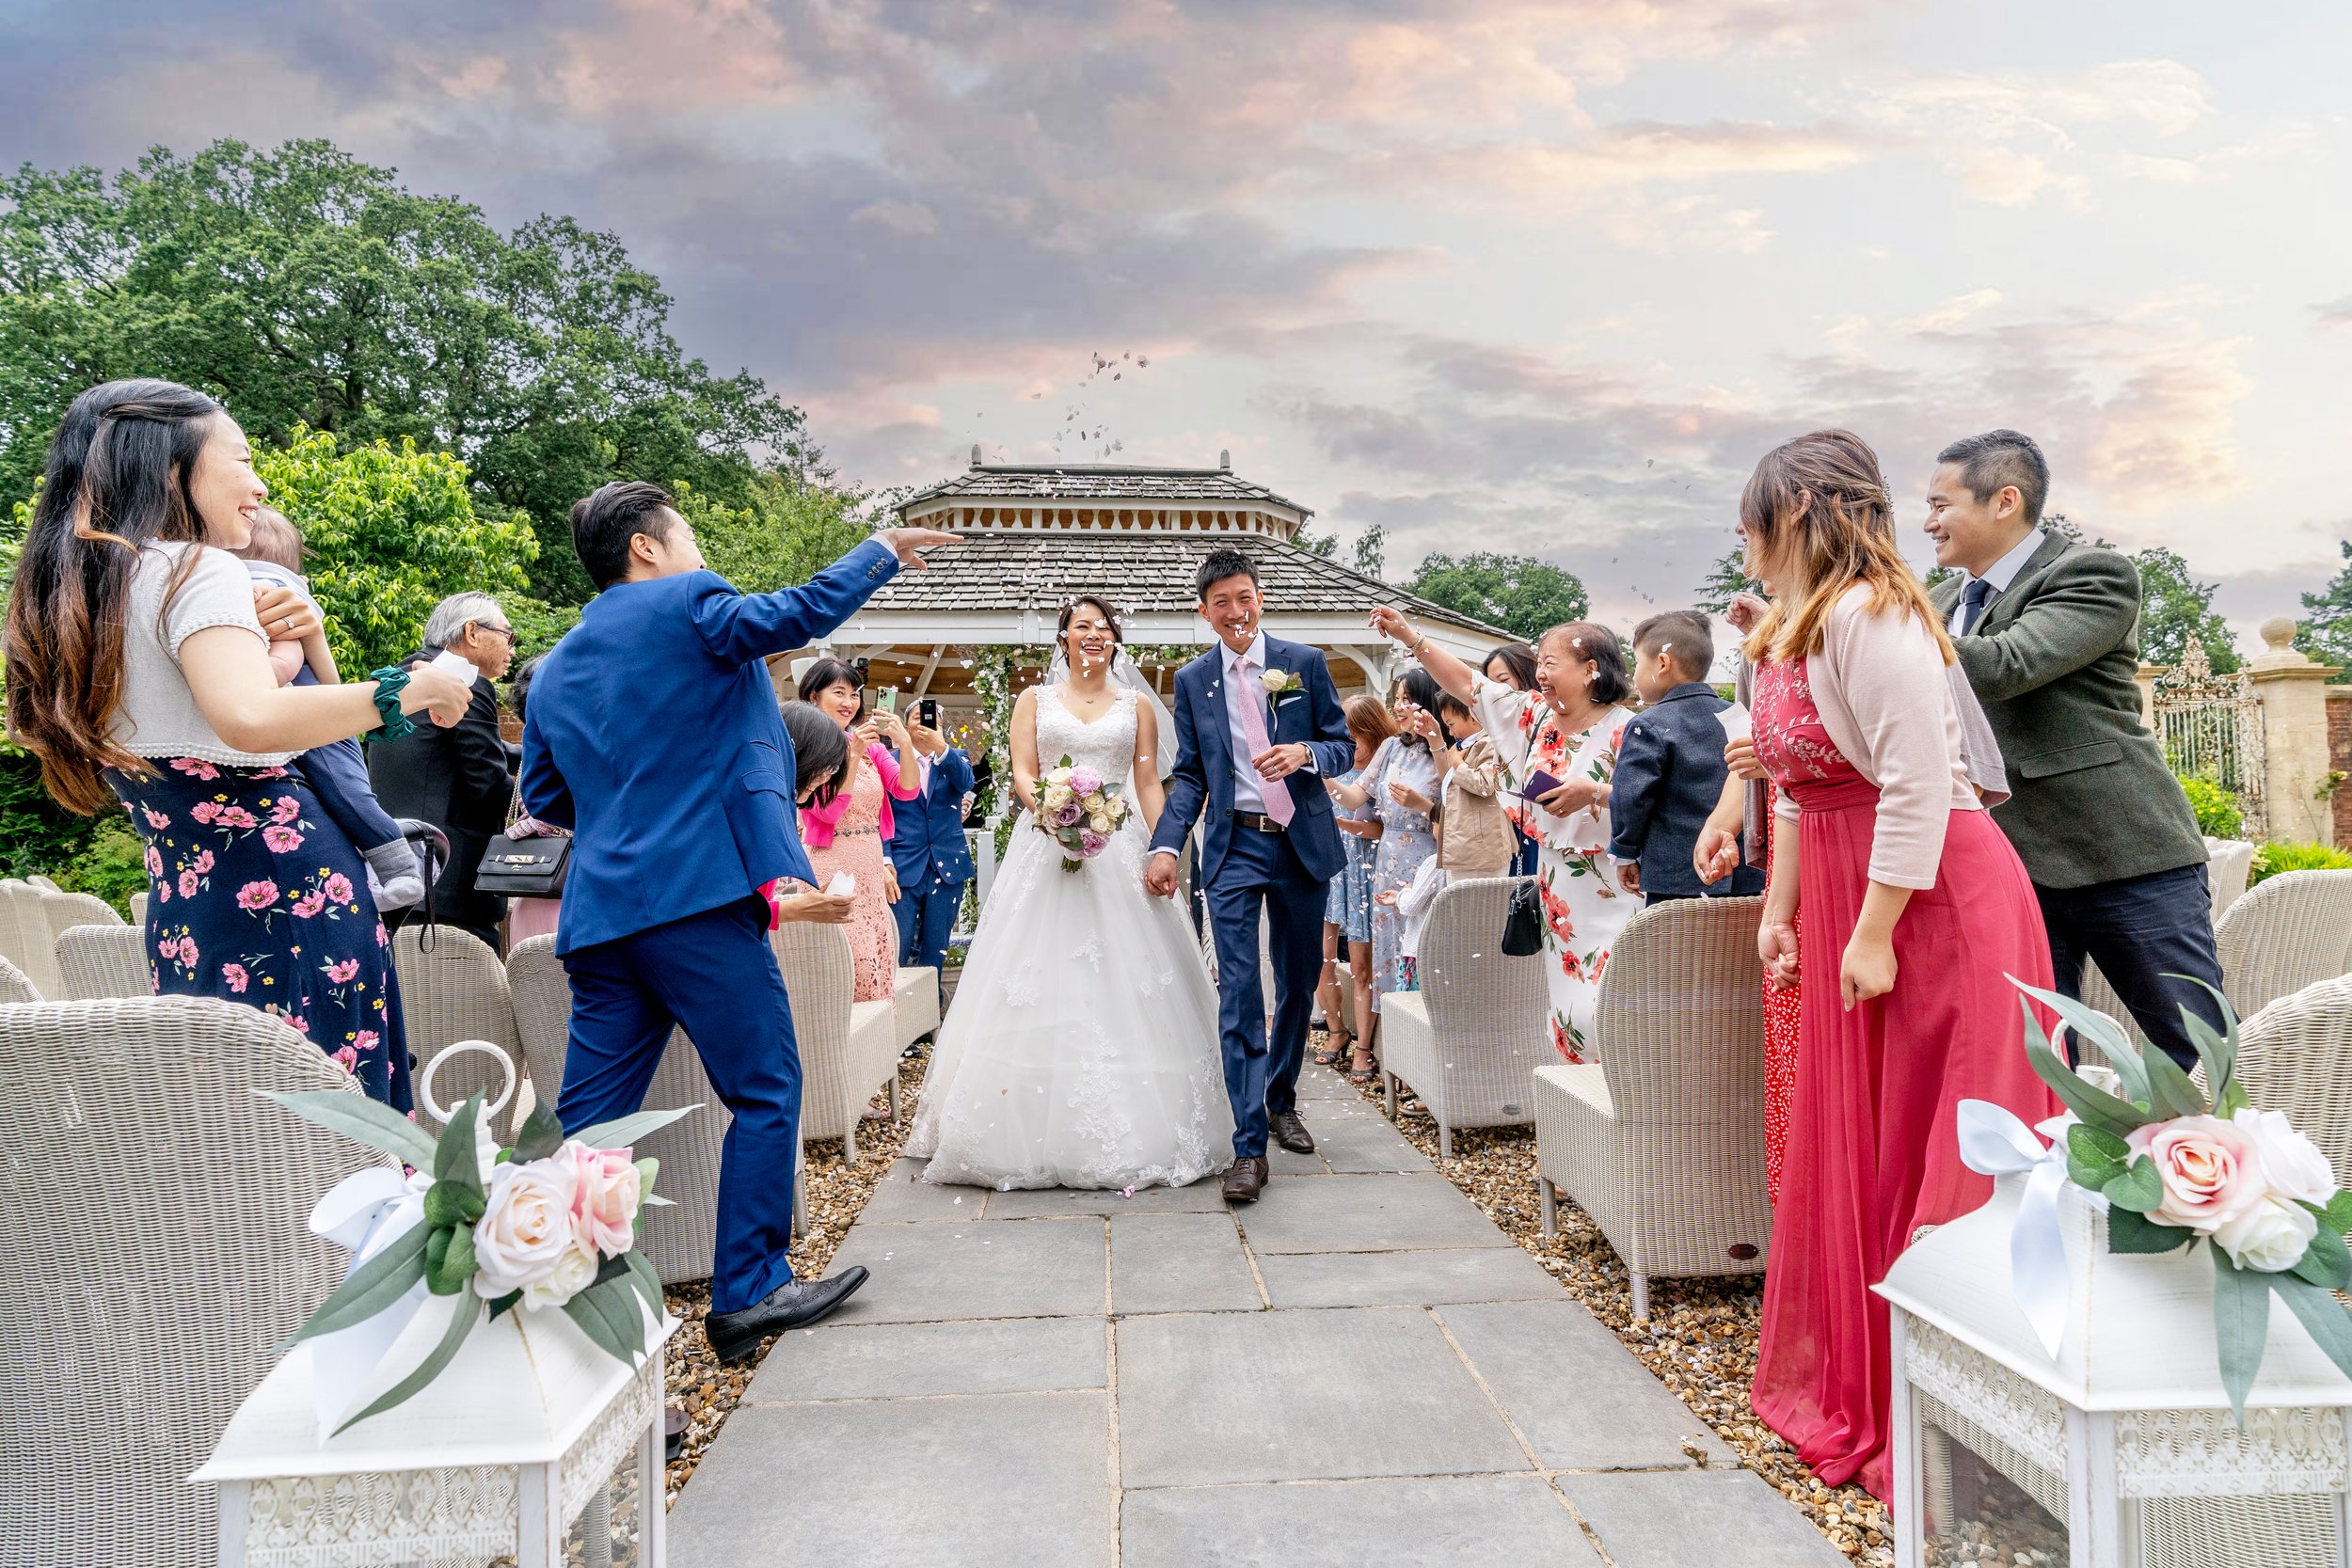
[(2178, 1167), (1079, 812), (551, 1222)]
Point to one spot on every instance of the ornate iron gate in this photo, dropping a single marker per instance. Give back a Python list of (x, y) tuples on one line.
[(2212, 727)]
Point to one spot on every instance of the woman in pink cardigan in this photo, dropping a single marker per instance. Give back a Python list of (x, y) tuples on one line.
[(851, 832), (1916, 910)]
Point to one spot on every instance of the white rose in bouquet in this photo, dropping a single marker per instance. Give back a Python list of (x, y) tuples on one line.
[(1057, 796), (575, 1270), (525, 1230), (1058, 776), (2270, 1237), (2291, 1161)]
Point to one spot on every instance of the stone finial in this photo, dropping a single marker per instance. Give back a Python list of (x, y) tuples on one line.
[(2278, 634), (976, 454), (1225, 458)]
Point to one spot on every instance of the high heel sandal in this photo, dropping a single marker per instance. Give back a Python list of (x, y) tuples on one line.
[(1362, 1068), (1334, 1046)]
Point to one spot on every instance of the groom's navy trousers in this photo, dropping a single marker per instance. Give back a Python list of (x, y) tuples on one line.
[(1261, 1069)]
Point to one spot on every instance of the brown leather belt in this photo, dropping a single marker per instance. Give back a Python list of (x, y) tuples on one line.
[(1260, 823)]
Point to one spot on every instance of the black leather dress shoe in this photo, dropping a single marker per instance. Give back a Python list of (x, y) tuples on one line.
[(1248, 1178), (734, 1335), (1292, 1133)]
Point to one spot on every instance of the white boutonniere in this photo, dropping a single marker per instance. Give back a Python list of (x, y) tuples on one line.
[(1279, 684)]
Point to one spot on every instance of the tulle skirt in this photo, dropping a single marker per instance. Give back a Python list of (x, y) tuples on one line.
[(1081, 1049)]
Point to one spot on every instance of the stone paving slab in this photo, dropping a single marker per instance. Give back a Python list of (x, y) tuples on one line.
[(900, 1198), (1000, 1480), (871, 1361), (1204, 1197), (1404, 1278), (1579, 1399), (1367, 1213), (1279, 1396), (1462, 1522), (936, 1273), (1650, 1520), (1180, 1264)]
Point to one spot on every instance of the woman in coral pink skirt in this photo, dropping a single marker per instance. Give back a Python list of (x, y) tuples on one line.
[(1917, 912)]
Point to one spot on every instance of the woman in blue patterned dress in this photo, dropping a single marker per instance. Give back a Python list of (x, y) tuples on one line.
[(1399, 784), (1347, 919), (138, 674)]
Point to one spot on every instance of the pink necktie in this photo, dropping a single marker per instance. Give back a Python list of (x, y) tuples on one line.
[(1276, 791)]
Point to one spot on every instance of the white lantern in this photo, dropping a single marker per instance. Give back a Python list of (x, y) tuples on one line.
[(2120, 1450), (517, 1437)]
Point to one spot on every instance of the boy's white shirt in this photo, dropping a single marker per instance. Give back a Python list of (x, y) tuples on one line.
[(1413, 901)]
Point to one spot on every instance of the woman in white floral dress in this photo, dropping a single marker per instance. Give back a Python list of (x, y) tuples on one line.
[(1567, 728)]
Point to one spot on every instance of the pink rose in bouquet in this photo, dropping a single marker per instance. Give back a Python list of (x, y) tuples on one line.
[(2209, 1167)]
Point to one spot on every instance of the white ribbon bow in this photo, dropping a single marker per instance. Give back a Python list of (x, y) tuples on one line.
[(1994, 1141)]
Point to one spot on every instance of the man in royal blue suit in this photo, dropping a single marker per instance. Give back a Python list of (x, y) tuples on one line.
[(655, 735), (1258, 728), (929, 852)]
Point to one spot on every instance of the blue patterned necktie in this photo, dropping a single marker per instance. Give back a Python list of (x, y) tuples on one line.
[(1979, 592)]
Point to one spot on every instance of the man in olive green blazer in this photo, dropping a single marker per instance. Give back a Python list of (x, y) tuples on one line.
[(2048, 634)]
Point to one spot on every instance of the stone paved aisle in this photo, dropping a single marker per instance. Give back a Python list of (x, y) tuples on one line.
[(1358, 1369)]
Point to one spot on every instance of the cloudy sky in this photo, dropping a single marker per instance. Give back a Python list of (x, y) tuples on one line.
[(1535, 278)]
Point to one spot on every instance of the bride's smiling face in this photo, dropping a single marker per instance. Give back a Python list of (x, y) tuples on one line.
[(1089, 641)]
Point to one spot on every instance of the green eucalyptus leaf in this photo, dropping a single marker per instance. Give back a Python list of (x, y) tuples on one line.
[(2094, 1156), (359, 1118), (2113, 1040), (2218, 1051), (506, 1304), (616, 1299), (600, 1327), (458, 1262), (2095, 1106), (2176, 1093), (2241, 1319), (542, 1135), (2321, 1314), (461, 1322), (435, 1257), (456, 1160), (371, 1287), (2337, 1216), (2325, 1262), (2129, 1232), (2136, 1187), (625, 1131), (648, 1283)]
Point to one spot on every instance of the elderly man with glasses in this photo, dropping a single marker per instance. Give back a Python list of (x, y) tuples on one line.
[(459, 779)]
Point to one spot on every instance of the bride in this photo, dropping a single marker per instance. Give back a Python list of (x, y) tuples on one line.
[(1082, 1047)]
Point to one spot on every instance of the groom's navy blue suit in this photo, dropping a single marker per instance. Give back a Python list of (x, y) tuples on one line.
[(1287, 871)]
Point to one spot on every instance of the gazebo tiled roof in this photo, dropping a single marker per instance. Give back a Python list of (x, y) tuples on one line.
[(1088, 483)]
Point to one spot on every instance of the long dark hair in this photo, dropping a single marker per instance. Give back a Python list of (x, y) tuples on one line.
[(820, 749), (118, 479), (1061, 627), (1519, 659), (832, 672), (518, 686), (1421, 689), (1817, 507)]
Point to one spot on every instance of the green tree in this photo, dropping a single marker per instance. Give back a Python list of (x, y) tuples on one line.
[(2325, 633), (1324, 545), (1725, 579), (1517, 592), (308, 288), (1371, 551), (391, 531), (2175, 607)]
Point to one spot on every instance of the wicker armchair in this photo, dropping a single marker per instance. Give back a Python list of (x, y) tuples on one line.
[(37, 879), (14, 986), (2296, 1056), (1471, 1039), (38, 956), (158, 1259), (847, 1049), (2228, 865), (1663, 1141), (65, 910), (678, 1239), (16, 938), (914, 1003), (456, 990), (101, 961), (139, 909), (2289, 931)]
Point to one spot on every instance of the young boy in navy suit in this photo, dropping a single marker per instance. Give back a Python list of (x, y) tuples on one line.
[(1670, 765)]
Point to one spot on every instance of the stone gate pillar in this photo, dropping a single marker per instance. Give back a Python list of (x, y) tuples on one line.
[(2296, 762)]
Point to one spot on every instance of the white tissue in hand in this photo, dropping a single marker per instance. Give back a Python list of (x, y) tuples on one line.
[(1738, 723), (455, 664), (842, 886)]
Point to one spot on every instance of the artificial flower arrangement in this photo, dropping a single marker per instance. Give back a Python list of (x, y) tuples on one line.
[(2177, 1169), (551, 1222), (1079, 811)]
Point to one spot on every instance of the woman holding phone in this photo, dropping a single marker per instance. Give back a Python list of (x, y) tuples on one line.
[(1396, 788), (1558, 747), (847, 834)]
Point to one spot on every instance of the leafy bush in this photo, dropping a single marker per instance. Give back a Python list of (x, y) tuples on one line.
[(2272, 858), (2219, 814), (113, 864)]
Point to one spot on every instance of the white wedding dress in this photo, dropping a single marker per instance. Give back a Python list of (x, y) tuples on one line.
[(1081, 1048)]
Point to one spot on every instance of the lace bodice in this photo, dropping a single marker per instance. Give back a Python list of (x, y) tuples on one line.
[(1107, 745)]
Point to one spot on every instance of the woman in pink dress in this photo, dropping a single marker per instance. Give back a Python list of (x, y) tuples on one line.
[(851, 831), (1916, 910)]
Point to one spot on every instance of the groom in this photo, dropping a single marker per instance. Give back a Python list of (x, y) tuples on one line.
[(1257, 722)]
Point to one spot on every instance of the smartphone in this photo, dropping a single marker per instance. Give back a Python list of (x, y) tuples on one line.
[(1539, 783), (886, 699), (927, 713)]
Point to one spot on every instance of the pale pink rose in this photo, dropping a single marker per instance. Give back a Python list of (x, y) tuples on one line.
[(2292, 1164), (526, 1228), (236, 976), (337, 888), (203, 862), (1091, 843), (287, 808), (341, 973), (2210, 1170), (237, 816), (257, 896), (283, 841), (155, 818), (1084, 780), (188, 885), (309, 903), (605, 1195), (204, 811)]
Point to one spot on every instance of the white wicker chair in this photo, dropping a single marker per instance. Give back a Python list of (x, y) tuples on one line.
[(158, 1257), (1662, 1142), (2229, 863), (101, 961), (1471, 1039), (65, 910), (914, 1003), (678, 1239), (456, 990), (38, 957), (17, 943), (2296, 1056), (2289, 931), (139, 909), (14, 986), (847, 1049), (42, 882)]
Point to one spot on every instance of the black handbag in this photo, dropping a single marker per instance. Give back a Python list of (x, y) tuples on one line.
[(524, 868), (1523, 927)]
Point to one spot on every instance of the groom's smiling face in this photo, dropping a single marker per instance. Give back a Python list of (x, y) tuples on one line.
[(1232, 607)]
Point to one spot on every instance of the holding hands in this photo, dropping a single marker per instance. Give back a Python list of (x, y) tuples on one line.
[(1159, 875)]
